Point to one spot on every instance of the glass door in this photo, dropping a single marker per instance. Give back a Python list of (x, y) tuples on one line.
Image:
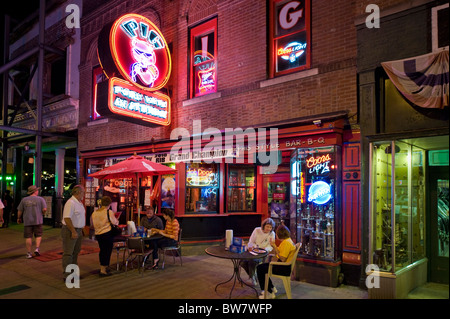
[(276, 198), (278, 202), (439, 224)]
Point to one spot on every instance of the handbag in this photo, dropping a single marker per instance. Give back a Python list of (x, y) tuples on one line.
[(115, 230)]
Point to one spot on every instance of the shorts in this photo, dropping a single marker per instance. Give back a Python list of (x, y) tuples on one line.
[(28, 231)]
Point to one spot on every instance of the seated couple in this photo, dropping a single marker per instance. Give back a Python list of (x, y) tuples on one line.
[(169, 233), (264, 237)]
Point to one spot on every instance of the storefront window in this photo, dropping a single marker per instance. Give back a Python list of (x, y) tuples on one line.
[(202, 188), (314, 190), (398, 193), (241, 188), (290, 36), (204, 58)]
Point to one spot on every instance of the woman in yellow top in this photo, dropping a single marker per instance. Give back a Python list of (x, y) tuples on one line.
[(284, 253), (103, 234), (170, 234)]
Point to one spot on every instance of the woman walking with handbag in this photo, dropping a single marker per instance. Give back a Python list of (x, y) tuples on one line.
[(103, 220)]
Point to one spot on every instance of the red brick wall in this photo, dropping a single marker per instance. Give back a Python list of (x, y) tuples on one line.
[(242, 66)]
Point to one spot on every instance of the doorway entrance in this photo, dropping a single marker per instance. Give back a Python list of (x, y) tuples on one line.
[(275, 198), (439, 223)]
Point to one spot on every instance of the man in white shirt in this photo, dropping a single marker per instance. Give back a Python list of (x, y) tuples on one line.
[(74, 220)]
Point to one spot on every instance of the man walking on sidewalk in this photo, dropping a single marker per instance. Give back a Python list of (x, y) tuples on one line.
[(33, 209)]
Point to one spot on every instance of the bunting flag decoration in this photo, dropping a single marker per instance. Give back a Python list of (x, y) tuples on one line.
[(423, 80)]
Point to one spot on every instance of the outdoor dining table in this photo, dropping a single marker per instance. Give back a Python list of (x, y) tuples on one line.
[(236, 258), (123, 240)]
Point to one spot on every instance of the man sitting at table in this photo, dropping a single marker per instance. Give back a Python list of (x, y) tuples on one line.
[(151, 220)]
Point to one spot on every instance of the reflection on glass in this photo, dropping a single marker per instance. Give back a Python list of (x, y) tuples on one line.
[(241, 188), (278, 201), (401, 205), (443, 217), (382, 153), (202, 182), (201, 200), (398, 216)]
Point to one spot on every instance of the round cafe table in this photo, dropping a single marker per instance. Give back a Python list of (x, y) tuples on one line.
[(236, 258)]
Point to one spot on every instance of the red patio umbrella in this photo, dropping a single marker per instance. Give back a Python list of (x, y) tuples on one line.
[(134, 167)]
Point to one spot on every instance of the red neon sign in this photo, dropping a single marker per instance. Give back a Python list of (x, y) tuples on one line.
[(127, 100), (206, 80), (139, 52), (134, 56)]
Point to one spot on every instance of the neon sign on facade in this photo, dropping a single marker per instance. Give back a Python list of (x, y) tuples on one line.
[(319, 165), (206, 72), (138, 53), (292, 51), (127, 100), (290, 36), (319, 193)]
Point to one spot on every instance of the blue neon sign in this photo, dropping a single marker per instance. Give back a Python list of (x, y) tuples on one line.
[(319, 193)]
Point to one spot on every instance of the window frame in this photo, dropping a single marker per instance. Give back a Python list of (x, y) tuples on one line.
[(202, 29), (273, 39), (217, 187), (229, 187), (96, 71)]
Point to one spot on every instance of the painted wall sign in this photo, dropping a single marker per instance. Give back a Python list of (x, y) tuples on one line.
[(134, 55)]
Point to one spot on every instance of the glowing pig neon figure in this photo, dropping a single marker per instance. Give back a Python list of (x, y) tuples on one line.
[(144, 67)]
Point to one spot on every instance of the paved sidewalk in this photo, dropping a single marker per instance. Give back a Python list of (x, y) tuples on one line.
[(30, 278)]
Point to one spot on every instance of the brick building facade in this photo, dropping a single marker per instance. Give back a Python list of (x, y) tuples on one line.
[(247, 96)]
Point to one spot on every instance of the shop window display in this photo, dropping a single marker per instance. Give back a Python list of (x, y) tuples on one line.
[(241, 188), (202, 188), (314, 193), (398, 220)]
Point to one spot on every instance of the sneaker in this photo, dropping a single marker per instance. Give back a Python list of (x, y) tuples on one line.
[(270, 295), (29, 255), (37, 252)]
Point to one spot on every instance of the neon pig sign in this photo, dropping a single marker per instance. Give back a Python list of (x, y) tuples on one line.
[(140, 52), (134, 56)]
